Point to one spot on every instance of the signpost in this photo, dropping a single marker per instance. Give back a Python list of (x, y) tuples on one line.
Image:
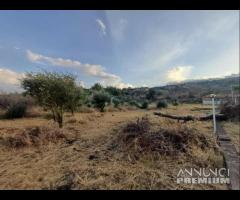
[(214, 116)]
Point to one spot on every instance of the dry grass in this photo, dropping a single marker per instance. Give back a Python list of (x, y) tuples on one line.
[(33, 137), (93, 161), (233, 130)]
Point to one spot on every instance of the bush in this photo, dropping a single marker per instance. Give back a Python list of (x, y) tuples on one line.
[(144, 105), (151, 95), (8, 100), (17, 110), (100, 99), (162, 104), (230, 111), (134, 103), (113, 91), (116, 102), (97, 87), (175, 103)]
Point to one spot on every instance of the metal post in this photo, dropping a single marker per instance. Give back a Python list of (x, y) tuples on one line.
[(214, 117)]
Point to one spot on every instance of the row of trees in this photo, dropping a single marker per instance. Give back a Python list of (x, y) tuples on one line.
[(59, 93)]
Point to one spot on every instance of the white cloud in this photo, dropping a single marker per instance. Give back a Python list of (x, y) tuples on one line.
[(10, 80), (102, 26), (179, 73), (117, 83), (93, 70)]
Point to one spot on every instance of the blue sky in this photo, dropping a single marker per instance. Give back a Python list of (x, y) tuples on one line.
[(119, 48)]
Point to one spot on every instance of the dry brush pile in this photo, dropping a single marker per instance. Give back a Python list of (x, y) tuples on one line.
[(140, 138), (34, 137)]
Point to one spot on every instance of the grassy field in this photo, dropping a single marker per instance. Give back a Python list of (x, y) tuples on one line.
[(90, 161)]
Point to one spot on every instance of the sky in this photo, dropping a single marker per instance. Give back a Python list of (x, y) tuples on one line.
[(119, 48)]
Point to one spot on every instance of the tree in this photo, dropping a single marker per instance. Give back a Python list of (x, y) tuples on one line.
[(151, 95), (113, 91), (76, 98), (100, 99), (97, 87), (53, 91), (162, 104), (116, 102)]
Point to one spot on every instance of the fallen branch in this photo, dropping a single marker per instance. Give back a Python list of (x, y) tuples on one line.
[(191, 118), (219, 117)]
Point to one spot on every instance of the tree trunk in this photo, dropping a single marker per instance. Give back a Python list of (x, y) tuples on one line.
[(72, 111), (53, 114), (60, 118)]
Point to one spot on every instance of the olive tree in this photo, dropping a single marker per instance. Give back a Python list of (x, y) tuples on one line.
[(100, 99), (54, 91)]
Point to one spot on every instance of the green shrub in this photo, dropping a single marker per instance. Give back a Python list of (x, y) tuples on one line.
[(116, 102), (17, 110), (162, 104), (97, 87), (100, 99), (134, 103), (144, 105), (113, 91), (151, 94)]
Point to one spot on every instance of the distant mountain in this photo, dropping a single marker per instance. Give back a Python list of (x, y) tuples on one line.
[(189, 91)]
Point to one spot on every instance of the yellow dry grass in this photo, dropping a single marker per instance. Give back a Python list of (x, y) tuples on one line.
[(90, 163)]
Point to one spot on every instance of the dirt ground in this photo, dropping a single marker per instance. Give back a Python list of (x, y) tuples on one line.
[(91, 162)]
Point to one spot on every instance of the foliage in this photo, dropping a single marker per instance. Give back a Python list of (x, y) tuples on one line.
[(144, 105), (77, 97), (100, 99), (151, 95), (17, 110), (8, 100), (15, 105), (113, 91), (54, 91), (97, 87), (134, 103), (116, 102), (162, 104), (230, 110)]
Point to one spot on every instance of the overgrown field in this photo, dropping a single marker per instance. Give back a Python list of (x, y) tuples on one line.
[(117, 149)]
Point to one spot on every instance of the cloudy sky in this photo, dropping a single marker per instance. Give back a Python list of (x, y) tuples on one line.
[(119, 48)]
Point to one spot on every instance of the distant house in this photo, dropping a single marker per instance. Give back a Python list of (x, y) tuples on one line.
[(207, 100)]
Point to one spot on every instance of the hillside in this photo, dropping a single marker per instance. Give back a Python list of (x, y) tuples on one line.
[(190, 91)]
